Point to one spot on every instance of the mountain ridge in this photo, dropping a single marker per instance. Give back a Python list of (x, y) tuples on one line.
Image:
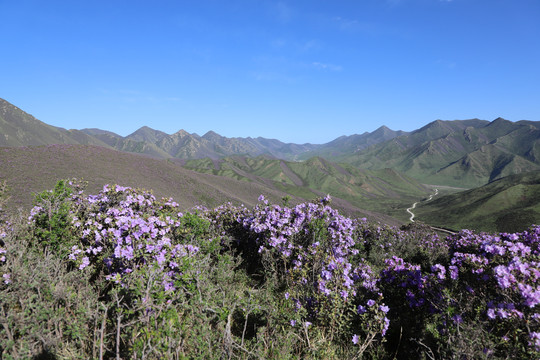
[(446, 152)]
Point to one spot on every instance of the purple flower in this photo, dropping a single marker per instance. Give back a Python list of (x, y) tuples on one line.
[(440, 270), (85, 263), (355, 339), (7, 278), (457, 319), (386, 325), (535, 340)]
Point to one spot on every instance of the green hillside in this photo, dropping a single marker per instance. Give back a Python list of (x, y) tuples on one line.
[(463, 153), (17, 128), (505, 205), (385, 190), (28, 170)]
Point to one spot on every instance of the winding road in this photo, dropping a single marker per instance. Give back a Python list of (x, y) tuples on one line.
[(409, 210)]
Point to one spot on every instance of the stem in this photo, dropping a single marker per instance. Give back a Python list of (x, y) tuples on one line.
[(8, 332), (102, 334)]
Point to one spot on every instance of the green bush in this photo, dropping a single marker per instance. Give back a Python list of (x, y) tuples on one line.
[(53, 217)]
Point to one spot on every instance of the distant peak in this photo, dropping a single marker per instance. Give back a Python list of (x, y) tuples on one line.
[(384, 129), (143, 129), (499, 121), (146, 133), (211, 135), (181, 132)]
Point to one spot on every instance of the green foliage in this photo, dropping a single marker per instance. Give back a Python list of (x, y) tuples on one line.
[(286, 200), (233, 295), (53, 225), (192, 227), (510, 204), (45, 310)]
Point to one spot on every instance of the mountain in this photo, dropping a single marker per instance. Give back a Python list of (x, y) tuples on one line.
[(28, 170), (345, 145), (465, 153), (18, 128), (37, 168), (509, 204), (385, 191)]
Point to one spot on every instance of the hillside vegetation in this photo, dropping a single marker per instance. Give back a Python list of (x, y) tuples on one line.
[(467, 153), (462, 153), (509, 204), (28, 170), (121, 274), (385, 191)]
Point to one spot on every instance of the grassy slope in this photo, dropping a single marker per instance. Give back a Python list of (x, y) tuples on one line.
[(33, 169), (18, 128), (458, 153), (508, 204), (385, 191)]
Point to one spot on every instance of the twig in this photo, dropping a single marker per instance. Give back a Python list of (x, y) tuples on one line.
[(6, 327), (430, 353), (102, 333), (245, 328), (399, 342)]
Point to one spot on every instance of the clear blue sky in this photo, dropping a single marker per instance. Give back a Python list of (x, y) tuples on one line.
[(299, 71)]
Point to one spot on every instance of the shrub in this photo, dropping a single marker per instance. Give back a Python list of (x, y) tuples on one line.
[(121, 274)]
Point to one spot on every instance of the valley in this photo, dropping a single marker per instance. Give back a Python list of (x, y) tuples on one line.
[(375, 175)]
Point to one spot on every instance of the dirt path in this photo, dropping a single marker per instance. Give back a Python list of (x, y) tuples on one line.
[(409, 210)]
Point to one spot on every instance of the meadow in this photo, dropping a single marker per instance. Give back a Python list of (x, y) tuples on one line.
[(120, 274)]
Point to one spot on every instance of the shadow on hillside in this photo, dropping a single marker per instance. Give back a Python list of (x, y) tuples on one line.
[(45, 355)]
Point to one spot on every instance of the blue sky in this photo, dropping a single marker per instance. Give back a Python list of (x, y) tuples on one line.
[(299, 71)]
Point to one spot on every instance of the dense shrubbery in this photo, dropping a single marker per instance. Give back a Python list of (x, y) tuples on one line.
[(121, 274)]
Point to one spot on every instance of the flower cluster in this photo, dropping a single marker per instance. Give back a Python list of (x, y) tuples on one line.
[(314, 245), (417, 287), (346, 280), (505, 269), (122, 230), (492, 280)]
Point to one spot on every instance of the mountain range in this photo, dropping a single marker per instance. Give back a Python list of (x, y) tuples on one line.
[(463, 153), (17, 128), (378, 174)]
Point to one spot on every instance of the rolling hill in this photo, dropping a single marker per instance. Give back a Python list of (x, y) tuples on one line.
[(18, 128), (509, 204), (33, 169), (465, 153), (385, 190)]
